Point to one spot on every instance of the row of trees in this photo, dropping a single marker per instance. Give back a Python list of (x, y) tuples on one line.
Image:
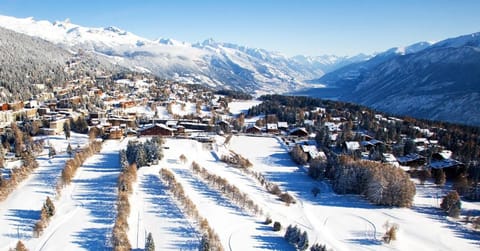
[(48, 210), (125, 180), (17, 175), (73, 164), (235, 159), (379, 183), (210, 240), (230, 191), (144, 153), (242, 162)]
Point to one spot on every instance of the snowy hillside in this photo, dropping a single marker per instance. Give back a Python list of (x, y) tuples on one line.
[(439, 81), (211, 63)]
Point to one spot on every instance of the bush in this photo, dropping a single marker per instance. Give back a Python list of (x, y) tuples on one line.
[(277, 226), (451, 204), (298, 155), (390, 233), (287, 198)]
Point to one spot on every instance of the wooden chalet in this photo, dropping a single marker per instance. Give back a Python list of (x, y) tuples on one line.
[(157, 130), (253, 130)]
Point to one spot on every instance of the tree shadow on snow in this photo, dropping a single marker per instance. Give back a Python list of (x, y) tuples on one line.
[(165, 207), (364, 238), (459, 229), (23, 221), (271, 242), (98, 195), (93, 238), (208, 192)]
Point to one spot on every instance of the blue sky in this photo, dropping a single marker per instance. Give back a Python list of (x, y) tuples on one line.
[(309, 27)]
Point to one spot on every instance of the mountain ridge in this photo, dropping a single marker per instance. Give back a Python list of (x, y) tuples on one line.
[(216, 64)]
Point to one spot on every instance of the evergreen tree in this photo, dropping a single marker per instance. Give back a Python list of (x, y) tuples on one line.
[(49, 207), (318, 247), (302, 243), (149, 244), (204, 243)]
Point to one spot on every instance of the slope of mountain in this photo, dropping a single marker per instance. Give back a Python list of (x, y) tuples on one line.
[(440, 82), (30, 65), (211, 63)]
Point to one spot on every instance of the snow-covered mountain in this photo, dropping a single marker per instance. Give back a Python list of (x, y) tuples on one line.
[(31, 65), (212, 63), (439, 81)]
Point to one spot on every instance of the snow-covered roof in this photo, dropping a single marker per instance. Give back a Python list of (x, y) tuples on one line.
[(409, 157), (163, 126), (444, 163), (352, 145), (446, 154)]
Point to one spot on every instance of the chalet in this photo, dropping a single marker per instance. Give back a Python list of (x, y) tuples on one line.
[(350, 146), (368, 145), (389, 158), (253, 130), (412, 160), (272, 128), (443, 161), (156, 130), (313, 152), (299, 132), (115, 133), (57, 125)]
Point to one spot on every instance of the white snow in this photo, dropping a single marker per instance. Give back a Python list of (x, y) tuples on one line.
[(20, 211), (86, 209), (241, 106)]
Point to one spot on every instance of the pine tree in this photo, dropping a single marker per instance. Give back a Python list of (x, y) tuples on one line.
[(49, 207), (302, 243), (149, 243), (318, 247), (204, 243)]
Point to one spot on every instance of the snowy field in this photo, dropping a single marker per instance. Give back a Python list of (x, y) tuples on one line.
[(86, 209), (20, 211), (241, 106)]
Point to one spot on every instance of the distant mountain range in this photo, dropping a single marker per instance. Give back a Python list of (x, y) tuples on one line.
[(220, 65), (438, 81)]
